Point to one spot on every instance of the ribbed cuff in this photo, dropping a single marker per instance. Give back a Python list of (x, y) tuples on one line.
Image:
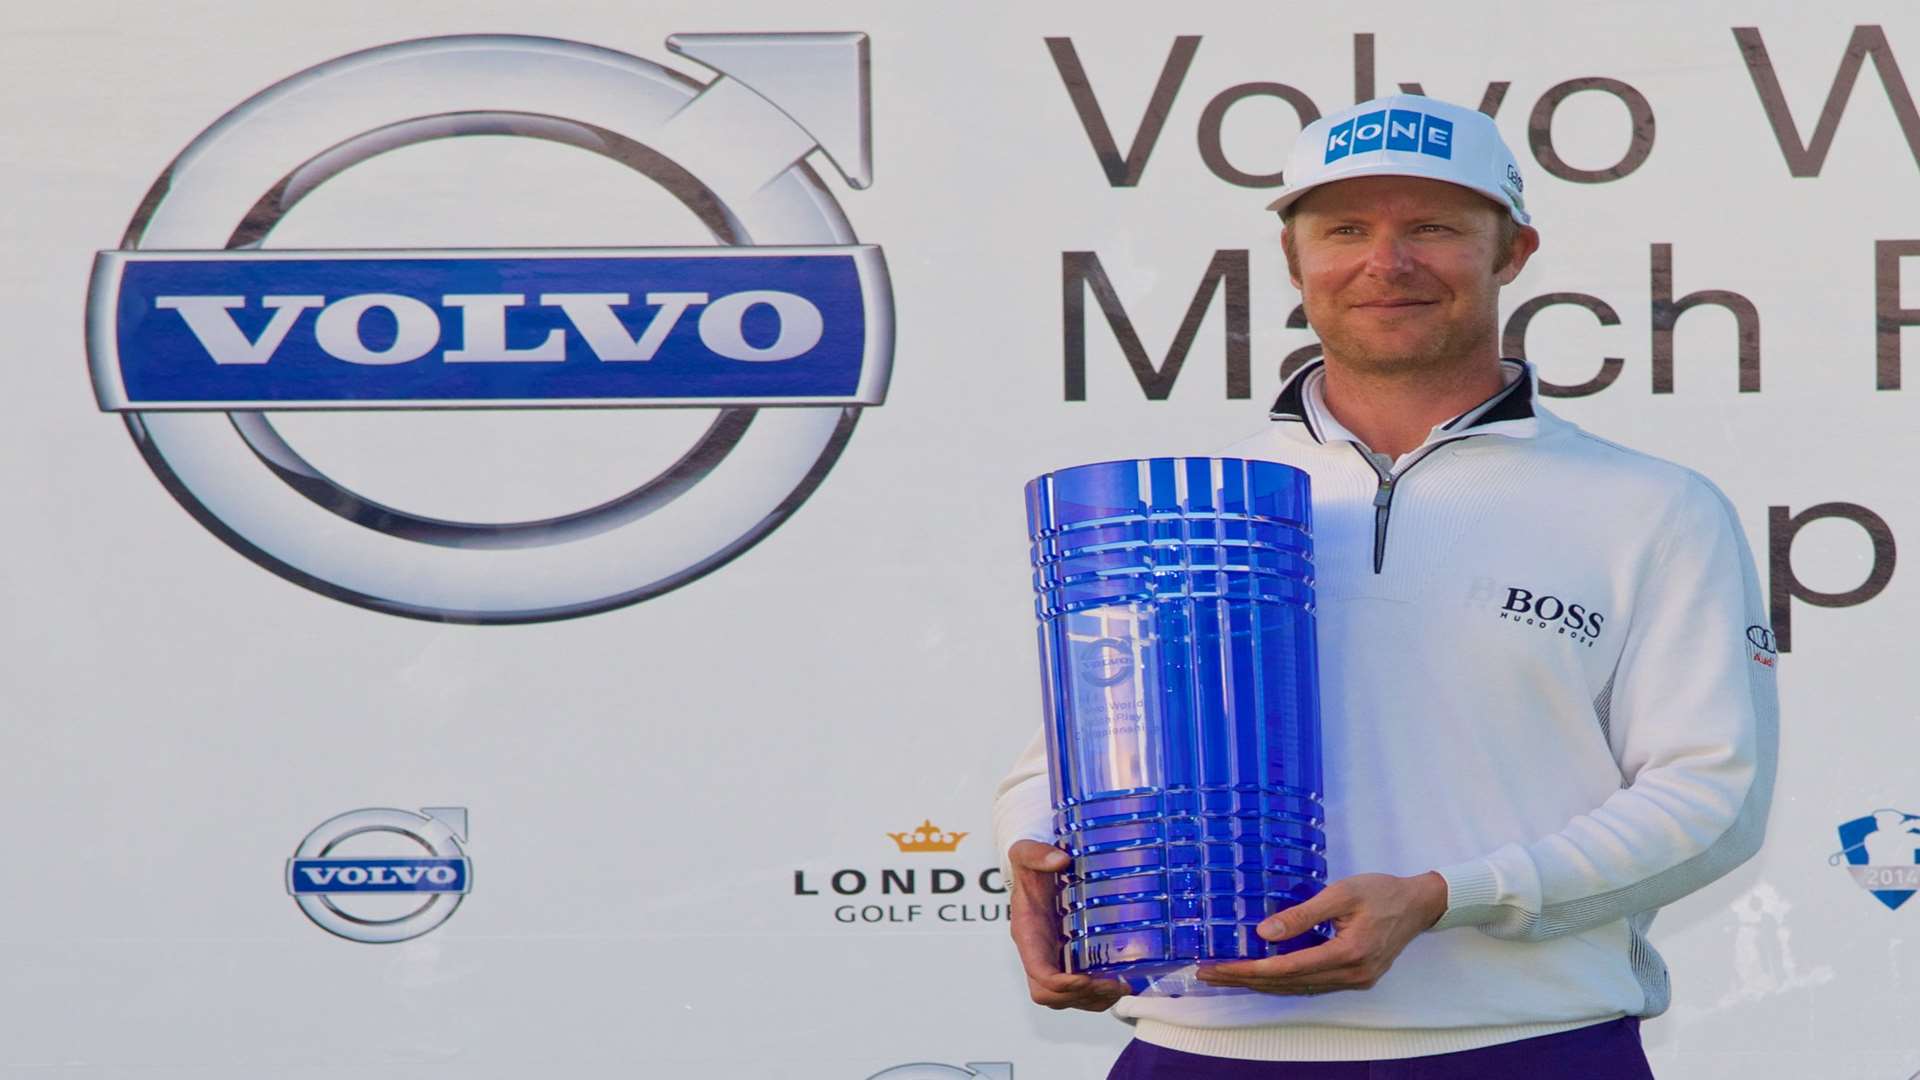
[(1472, 888), (1024, 813)]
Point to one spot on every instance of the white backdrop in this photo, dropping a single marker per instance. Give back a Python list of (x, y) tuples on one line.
[(661, 796)]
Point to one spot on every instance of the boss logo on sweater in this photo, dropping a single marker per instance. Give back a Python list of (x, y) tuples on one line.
[(1545, 612)]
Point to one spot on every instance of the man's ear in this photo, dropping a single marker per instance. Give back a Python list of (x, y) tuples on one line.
[(1526, 241), (1293, 260)]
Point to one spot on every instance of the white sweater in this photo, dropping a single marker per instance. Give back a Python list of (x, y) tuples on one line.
[(1567, 774)]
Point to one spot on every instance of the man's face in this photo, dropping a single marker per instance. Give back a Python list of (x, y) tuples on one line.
[(1397, 272)]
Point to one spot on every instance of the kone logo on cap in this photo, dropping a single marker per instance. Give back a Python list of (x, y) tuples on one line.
[(198, 334), (1391, 129)]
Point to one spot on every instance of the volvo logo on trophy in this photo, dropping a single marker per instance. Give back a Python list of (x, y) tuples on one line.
[(207, 340)]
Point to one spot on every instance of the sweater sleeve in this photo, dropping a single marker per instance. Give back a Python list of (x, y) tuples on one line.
[(1693, 722), (1023, 804)]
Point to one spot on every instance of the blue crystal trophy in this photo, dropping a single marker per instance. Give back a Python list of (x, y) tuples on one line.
[(1175, 600)]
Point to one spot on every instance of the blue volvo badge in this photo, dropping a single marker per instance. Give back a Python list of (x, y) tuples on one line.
[(347, 879), (200, 332)]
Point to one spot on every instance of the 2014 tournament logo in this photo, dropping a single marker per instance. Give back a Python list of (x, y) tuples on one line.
[(1882, 852), (198, 333), (380, 875)]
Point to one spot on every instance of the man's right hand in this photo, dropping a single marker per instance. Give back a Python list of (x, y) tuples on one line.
[(1035, 925)]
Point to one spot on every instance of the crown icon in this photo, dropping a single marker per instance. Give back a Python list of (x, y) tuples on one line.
[(927, 837)]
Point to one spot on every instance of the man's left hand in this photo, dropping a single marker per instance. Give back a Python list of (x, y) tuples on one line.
[(1373, 915)]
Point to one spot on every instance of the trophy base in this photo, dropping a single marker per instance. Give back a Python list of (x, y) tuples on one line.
[(1169, 977), (1173, 982)]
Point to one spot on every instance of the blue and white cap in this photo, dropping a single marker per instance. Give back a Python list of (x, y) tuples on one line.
[(1406, 135)]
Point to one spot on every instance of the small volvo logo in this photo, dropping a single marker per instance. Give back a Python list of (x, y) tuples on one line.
[(382, 875), (203, 339), (1106, 662)]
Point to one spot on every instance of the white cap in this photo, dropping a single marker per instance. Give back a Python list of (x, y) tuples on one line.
[(1406, 135)]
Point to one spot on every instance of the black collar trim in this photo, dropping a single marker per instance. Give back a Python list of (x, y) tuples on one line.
[(1513, 402), (1292, 402)]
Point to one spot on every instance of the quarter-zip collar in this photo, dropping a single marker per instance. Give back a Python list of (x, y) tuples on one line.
[(1509, 411)]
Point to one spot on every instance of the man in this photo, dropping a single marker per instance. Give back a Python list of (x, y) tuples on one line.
[(1542, 718)]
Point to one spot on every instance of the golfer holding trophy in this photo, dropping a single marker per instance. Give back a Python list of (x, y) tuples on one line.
[(1389, 779)]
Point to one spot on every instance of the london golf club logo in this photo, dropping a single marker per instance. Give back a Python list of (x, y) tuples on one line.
[(197, 333), (381, 875), (927, 886)]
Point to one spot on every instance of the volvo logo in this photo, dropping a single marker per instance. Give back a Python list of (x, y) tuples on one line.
[(379, 875), (203, 338), (1106, 662)]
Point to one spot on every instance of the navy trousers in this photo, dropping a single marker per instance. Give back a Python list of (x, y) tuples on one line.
[(1609, 1051)]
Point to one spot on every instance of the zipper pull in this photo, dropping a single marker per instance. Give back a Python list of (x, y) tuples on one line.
[(1385, 493)]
